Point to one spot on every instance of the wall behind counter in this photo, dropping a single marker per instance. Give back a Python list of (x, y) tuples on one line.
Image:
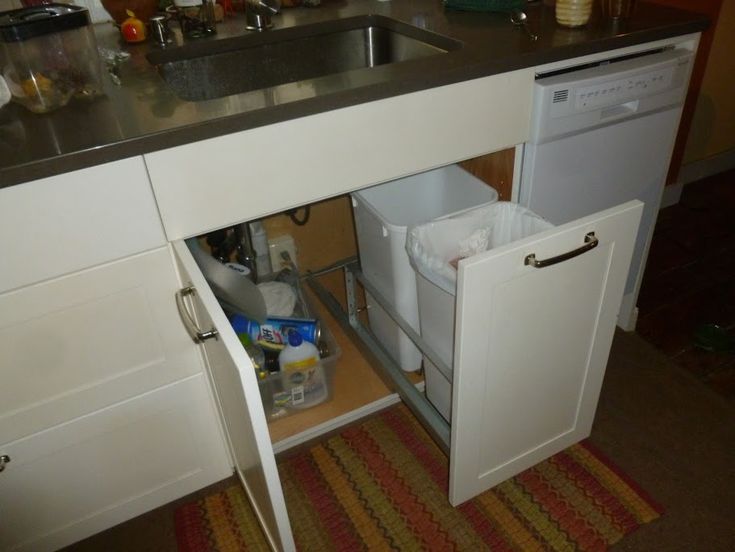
[(713, 126), (706, 131)]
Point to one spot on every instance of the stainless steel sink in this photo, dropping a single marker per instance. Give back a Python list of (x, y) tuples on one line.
[(217, 68)]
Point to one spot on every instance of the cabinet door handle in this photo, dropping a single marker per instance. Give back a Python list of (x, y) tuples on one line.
[(197, 334), (590, 242), (4, 459)]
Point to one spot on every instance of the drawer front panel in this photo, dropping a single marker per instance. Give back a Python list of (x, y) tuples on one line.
[(81, 477), (532, 345), (79, 219), (250, 174), (81, 342)]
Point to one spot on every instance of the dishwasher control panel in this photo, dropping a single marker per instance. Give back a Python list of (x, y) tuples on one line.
[(593, 96), (623, 90)]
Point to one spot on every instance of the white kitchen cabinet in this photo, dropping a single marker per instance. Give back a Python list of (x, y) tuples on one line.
[(133, 424), (79, 477), (69, 222), (72, 345), (250, 174), (104, 410), (531, 350)]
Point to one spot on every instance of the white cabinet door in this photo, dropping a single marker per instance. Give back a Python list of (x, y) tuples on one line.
[(236, 387), (78, 343), (70, 481), (75, 220), (532, 345)]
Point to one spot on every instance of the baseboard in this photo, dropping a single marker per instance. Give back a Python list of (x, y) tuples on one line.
[(697, 170), (710, 166), (671, 195)]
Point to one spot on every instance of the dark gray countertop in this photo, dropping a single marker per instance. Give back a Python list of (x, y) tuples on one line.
[(143, 115)]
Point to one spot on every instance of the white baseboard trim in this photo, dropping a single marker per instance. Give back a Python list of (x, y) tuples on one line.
[(697, 170), (671, 195), (709, 166)]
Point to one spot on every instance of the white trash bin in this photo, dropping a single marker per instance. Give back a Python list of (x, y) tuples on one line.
[(383, 214), (434, 248)]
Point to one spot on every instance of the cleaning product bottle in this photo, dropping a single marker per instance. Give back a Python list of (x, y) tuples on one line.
[(256, 354), (302, 373)]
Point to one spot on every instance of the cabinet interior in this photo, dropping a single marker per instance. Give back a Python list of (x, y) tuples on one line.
[(327, 238)]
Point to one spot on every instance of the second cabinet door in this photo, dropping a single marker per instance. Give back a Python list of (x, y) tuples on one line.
[(532, 345), (236, 388)]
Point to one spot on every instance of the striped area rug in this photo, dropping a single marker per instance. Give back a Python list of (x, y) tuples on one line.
[(382, 485)]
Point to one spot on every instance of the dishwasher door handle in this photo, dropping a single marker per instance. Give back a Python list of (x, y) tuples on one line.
[(590, 242), (622, 110)]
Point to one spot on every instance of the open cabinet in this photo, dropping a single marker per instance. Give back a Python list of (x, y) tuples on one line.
[(532, 340), (235, 386)]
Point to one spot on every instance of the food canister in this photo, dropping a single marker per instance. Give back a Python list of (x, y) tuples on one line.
[(50, 55), (573, 13)]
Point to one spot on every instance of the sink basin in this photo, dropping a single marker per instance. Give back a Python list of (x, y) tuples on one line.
[(216, 68)]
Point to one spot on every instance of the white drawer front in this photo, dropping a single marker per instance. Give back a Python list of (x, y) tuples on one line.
[(79, 478), (68, 222), (82, 342), (532, 345), (228, 179)]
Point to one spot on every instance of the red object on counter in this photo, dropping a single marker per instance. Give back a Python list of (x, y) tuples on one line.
[(133, 29)]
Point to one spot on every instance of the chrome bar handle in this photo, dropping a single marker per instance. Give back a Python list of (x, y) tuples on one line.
[(197, 334), (590, 242), (4, 459)]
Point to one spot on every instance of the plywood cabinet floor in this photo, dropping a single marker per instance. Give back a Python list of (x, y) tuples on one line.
[(356, 384)]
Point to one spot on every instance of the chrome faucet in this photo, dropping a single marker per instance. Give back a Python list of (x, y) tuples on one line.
[(258, 13)]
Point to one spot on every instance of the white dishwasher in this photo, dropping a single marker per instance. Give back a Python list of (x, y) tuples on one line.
[(601, 135)]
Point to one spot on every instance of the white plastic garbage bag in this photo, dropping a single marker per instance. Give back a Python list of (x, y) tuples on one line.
[(434, 247)]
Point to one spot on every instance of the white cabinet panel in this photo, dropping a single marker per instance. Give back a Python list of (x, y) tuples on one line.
[(241, 409), (75, 344), (246, 175), (64, 223), (83, 476), (532, 345)]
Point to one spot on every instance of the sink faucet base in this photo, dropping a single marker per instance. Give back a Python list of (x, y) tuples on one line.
[(258, 14), (257, 22)]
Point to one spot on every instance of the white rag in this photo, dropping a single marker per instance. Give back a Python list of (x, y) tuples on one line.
[(4, 92)]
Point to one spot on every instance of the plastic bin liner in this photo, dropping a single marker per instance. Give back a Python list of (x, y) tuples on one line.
[(433, 246)]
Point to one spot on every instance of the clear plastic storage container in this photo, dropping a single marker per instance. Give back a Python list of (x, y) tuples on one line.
[(50, 56), (278, 399), (278, 396)]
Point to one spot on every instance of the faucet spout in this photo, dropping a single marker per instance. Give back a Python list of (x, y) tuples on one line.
[(258, 13)]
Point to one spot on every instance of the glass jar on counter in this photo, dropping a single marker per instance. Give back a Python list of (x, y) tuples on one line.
[(573, 13), (50, 53)]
